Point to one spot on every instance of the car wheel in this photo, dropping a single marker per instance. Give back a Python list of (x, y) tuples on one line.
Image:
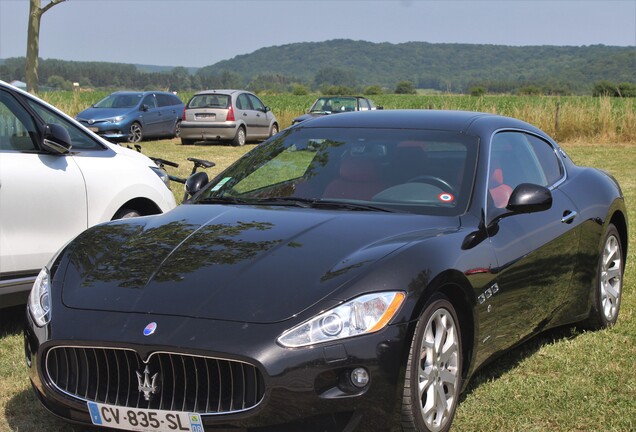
[(177, 129), (135, 133), (125, 213), (186, 141), (239, 138), (274, 130), (433, 371), (607, 292)]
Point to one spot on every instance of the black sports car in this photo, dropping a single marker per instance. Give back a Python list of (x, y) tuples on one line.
[(352, 272)]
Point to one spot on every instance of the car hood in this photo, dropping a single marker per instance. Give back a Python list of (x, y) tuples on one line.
[(236, 263), (103, 113)]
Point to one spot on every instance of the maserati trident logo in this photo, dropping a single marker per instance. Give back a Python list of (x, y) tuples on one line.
[(147, 383)]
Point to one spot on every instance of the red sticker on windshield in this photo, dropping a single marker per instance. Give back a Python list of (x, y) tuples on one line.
[(446, 197)]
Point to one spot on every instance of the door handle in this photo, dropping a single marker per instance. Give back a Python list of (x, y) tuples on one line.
[(568, 216)]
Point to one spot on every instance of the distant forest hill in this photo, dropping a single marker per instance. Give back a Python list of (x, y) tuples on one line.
[(357, 66)]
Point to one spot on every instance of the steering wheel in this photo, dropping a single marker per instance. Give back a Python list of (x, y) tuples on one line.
[(433, 180)]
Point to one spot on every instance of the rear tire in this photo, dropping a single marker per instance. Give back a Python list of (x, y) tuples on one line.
[(177, 129), (434, 369), (606, 300), (239, 138)]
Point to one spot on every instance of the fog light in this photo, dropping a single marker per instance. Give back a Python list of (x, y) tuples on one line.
[(359, 377)]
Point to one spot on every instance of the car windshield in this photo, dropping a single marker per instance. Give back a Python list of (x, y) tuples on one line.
[(333, 104), (119, 100), (209, 101), (417, 171)]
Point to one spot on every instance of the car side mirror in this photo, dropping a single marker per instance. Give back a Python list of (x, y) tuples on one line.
[(56, 139), (195, 182), (529, 198), (379, 108), (266, 109), (144, 107)]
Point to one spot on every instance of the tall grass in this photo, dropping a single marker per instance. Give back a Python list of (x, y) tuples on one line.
[(566, 118)]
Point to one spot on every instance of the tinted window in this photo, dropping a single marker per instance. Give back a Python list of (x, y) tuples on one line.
[(547, 157), (209, 101), (17, 130), (242, 102), (256, 102), (364, 105), (150, 101), (164, 99)]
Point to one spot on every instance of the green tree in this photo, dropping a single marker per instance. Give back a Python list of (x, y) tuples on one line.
[(36, 10), (405, 87), (373, 90)]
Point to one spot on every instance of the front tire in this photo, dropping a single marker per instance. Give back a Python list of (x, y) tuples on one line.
[(274, 130), (135, 133), (433, 371), (126, 213), (239, 138), (606, 299)]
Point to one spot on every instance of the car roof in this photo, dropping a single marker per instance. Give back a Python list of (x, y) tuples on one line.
[(216, 91), (414, 119)]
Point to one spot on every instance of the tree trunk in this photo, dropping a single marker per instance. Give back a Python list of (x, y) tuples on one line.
[(33, 41), (33, 46)]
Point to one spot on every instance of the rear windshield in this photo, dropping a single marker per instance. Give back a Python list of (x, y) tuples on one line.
[(209, 101)]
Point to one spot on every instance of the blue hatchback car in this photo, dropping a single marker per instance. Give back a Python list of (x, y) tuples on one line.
[(133, 116)]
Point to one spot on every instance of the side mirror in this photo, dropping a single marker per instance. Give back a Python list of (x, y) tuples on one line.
[(144, 107), (195, 182), (266, 109), (56, 139), (529, 198), (379, 108)]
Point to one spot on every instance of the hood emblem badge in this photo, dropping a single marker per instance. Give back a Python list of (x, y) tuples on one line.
[(150, 328), (91, 121), (147, 383)]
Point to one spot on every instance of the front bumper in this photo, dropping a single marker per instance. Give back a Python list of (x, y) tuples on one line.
[(110, 131), (305, 389)]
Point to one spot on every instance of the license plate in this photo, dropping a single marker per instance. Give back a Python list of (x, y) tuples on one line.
[(206, 116), (93, 129), (147, 420)]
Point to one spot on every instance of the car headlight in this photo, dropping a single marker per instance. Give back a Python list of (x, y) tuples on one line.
[(115, 119), (40, 298), (362, 315), (162, 175)]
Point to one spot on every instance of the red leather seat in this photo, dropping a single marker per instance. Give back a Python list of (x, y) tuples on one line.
[(499, 191), (359, 179)]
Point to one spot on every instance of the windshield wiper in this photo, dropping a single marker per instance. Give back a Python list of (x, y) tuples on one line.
[(224, 200), (320, 203)]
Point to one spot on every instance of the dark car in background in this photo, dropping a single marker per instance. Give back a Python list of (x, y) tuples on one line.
[(350, 273), (133, 116), (337, 104), (236, 116)]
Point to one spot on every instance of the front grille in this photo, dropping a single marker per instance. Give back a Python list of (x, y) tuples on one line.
[(182, 382)]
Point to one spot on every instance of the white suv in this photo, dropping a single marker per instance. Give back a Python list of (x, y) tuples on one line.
[(57, 179)]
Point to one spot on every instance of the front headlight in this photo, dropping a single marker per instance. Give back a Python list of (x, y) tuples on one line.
[(162, 175), (115, 119), (362, 315), (40, 299)]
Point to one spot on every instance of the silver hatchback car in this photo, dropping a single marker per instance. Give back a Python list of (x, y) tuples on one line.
[(226, 115)]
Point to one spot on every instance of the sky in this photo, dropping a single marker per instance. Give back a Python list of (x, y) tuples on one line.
[(200, 33)]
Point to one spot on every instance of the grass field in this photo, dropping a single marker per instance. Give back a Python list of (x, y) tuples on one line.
[(564, 380), (567, 118)]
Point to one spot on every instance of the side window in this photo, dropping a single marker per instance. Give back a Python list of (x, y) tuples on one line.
[(256, 103), (164, 99), (17, 129), (547, 157), (512, 161), (242, 102), (79, 139), (364, 105), (150, 101)]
